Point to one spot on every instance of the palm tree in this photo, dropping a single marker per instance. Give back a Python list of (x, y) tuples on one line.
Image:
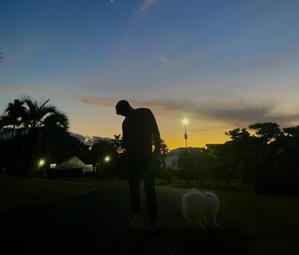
[(40, 121), (14, 114), (37, 120), (41, 114), (30, 115)]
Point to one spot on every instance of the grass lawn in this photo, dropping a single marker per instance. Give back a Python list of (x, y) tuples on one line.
[(17, 191), (272, 222)]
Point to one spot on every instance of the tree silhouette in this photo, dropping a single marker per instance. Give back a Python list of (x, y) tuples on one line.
[(34, 121), (14, 115), (164, 147), (41, 114), (292, 131), (238, 133), (267, 131)]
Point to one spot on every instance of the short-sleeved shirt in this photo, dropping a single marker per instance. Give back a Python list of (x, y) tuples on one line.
[(139, 127)]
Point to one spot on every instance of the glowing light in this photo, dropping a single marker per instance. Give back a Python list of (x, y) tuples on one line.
[(107, 159), (185, 121), (41, 162), (53, 166)]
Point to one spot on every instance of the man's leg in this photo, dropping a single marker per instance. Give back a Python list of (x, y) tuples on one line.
[(150, 191), (134, 180)]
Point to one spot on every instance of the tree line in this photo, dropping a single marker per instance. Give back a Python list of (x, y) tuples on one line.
[(263, 156), (31, 130)]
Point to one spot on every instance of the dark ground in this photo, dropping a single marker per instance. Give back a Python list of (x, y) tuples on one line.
[(96, 223)]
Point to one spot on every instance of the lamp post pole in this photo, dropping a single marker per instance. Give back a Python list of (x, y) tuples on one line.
[(185, 123), (186, 137)]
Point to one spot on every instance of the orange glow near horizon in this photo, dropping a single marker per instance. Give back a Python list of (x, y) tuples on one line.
[(195, 141), (103, 122), (172, 139)]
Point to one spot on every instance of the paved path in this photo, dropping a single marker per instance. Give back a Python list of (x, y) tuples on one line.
[(96, 223)]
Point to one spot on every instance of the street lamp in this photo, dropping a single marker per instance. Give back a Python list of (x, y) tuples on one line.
[(107, 159), (185, 122), (41, 163)]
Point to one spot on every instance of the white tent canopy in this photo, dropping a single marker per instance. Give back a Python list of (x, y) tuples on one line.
[(74, 163)]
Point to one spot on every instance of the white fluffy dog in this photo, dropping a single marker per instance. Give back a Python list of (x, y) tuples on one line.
[(200, 208)]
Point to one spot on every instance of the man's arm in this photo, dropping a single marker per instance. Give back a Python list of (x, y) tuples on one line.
[(124, 138), (156, 133)]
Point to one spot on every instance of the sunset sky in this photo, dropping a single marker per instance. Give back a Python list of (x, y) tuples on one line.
[(222, 64)]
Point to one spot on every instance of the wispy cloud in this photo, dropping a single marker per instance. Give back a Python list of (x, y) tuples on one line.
[(237, 112), (98, 101), (146, 6), (273, 58), (243, 113)]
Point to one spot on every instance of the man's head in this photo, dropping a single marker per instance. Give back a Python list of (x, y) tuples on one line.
[(123, 108)]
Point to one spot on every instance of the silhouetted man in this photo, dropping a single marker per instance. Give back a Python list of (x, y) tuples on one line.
[(140, 130)]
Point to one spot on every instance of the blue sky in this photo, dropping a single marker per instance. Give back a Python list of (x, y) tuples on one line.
[(222, 64)]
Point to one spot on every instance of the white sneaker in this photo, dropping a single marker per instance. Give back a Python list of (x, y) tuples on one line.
[(136, 222)]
